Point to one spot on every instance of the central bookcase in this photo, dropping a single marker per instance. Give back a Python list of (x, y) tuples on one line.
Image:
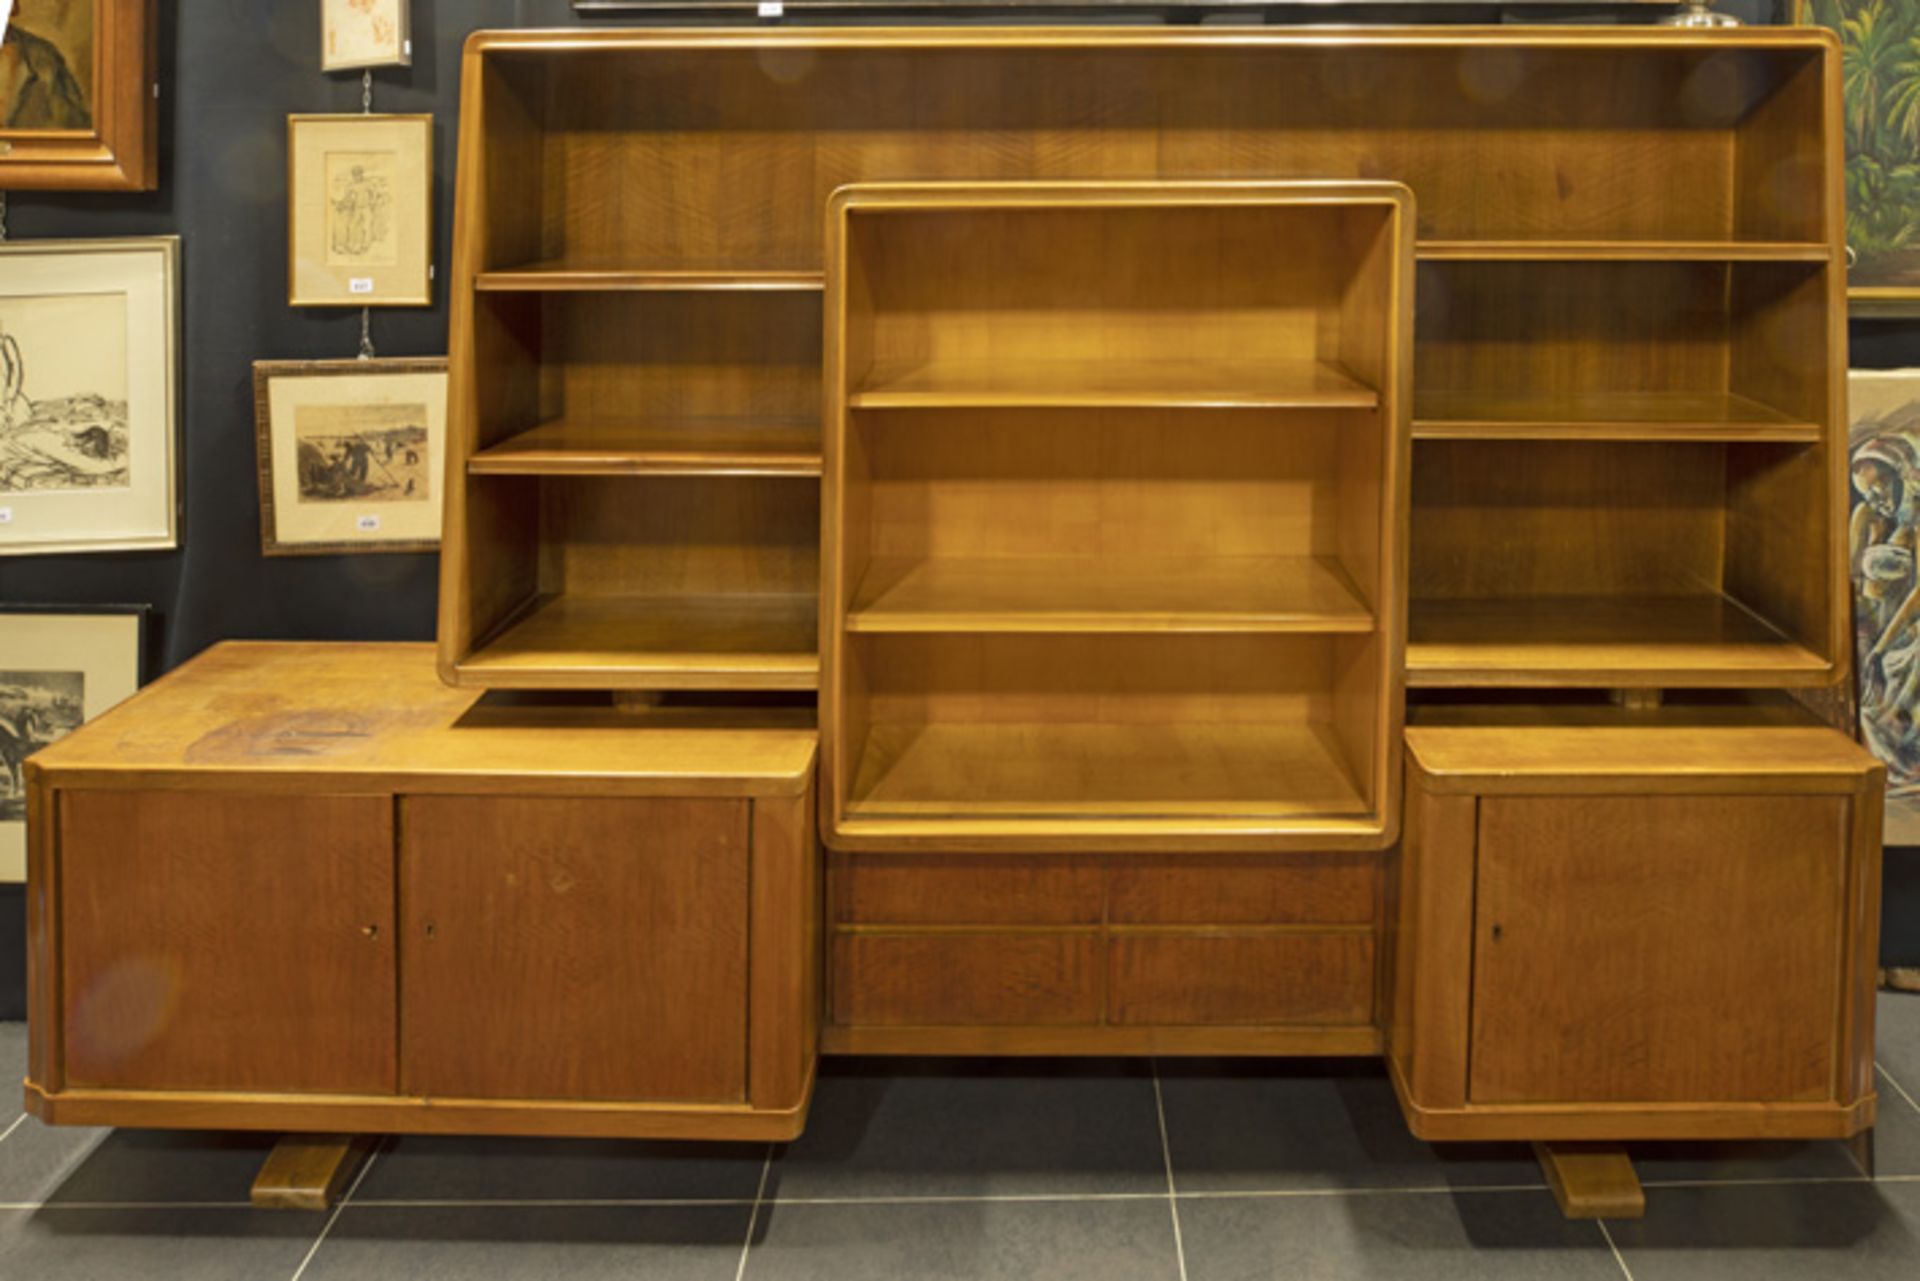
[(1115, 491)]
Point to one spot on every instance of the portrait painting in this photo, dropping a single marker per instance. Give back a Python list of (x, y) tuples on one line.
[(59, 668), (78, 107), (364, 33), (350, 454), (46, 65), (360, 226), (88, 333), (1883, 464)]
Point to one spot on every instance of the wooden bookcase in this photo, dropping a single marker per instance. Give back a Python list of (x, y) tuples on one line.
[(1115, 496), (1628, 466)]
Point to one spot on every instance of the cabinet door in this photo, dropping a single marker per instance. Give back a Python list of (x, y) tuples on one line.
[(1658, 949), (219, 941), (574, 949)]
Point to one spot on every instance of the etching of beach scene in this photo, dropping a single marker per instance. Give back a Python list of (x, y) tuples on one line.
[(63, 393), (362, 453)]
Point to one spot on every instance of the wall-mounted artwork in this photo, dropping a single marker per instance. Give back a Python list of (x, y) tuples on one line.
[(59, 667), (360, 226), (78, 107), (1884, 537), (88, 352), (350, 454), (365, 33)]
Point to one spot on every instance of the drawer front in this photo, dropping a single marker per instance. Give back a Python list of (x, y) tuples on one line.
[(575, 948), (1658, 948), (908, 889), (1214, 980), (1321, 889), (948, 980), (225, 941)]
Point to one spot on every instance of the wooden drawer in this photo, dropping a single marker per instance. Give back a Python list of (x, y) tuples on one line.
[(257, 952), (1217, 980), (1320, 889), (916, 889), (899, 980)]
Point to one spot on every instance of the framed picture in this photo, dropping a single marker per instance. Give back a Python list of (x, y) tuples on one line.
[(1883, 462), (360, 226), (79, 96), (1883, 148), (365, 33), (89, 346), (60, 666), (351, 453)]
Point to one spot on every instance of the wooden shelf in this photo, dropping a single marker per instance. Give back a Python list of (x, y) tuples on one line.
[(687, 447), (1100, 594), (1260, 773), (1623, 416), (712, 642), (1013, 383), (563, 275), (1703, 639), (1623, 250)]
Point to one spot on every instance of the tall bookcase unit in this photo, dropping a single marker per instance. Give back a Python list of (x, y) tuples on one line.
[(1115, 500)]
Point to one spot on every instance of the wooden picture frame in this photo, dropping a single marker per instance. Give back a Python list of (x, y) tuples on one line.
[(356, 34), (81, 97), (89, 395), (352, 454), (360, 210), (60, 666)]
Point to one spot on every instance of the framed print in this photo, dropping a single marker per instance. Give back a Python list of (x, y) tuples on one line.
[(1882, 173), (360, 225), (351, 453), (79, 96), (60, 666), (365, 33), (88, 395), (1883, 462)]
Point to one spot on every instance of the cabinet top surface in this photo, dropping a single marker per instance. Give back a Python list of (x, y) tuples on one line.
[(378, 715), (1489, 749)]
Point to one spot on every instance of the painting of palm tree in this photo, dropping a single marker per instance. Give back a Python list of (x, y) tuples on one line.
[(1880, 43)]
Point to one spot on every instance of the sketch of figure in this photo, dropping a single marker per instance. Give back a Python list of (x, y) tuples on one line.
[(76, 440), (360, 230), (40, 72), (35, 709), (1884, 559)]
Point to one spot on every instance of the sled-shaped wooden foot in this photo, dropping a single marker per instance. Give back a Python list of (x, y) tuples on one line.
[(1592, 1180), (309, 1171)]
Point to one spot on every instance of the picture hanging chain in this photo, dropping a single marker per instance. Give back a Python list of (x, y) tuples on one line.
[(366, 333), (3, 217), (366, 92)]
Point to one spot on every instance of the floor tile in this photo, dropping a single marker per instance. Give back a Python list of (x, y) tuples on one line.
[(415, 1168), (1859, 1231), (977, 1240), (1487, 1236), (13, 1066), (1897, 1038), (902, 1127), (690, 1243), (1270, 1125), (64, 1164), (67, 1244)]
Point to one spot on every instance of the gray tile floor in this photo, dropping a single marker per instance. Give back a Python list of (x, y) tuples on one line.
[(1104, 1171)]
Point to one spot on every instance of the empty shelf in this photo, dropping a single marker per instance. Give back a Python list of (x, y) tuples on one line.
[(1626, 416), (1525, 250), (713, 642), (689, 447), (1012, 383), (1100, 594), (1260, 773), (563, 275), (1704, 639)]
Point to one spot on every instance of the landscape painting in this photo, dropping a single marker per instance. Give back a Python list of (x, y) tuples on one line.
[(63, 393), (36, 708), (1883, 535), (362, 453), (46, 65)]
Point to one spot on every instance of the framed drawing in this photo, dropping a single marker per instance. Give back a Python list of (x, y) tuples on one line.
[(365, 33), (60, 666), (360, 225), (350, 454), (79, 97), (88, 395), (1881, 78), (1883, 458)]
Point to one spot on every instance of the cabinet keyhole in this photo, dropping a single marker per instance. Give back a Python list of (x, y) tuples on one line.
[(1498, 930), (431, 929), (371, 931)]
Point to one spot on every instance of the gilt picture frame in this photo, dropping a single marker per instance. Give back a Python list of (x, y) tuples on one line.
[(360, 210), (79, 96), (60, 666), (89, 395), (357, 34), (351, 455)]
